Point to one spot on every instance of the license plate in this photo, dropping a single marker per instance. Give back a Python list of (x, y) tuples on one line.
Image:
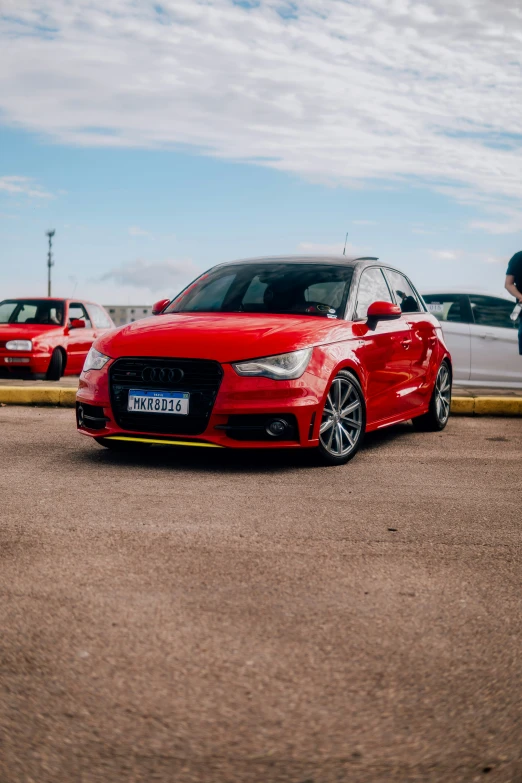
[(145, 401)]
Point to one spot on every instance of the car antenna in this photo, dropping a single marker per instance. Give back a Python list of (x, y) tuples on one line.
[(345, 241)]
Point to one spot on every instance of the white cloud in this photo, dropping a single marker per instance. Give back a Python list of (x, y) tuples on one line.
[(23, 186), (333, 249), (422, 231), (167, 277), (136, 231), (445, 255), (511, 226), (343, 92)]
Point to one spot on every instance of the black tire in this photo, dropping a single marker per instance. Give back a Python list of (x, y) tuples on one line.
[(440, 403), (343, 420), (56, 366)]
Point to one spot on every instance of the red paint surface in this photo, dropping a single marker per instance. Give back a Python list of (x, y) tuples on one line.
[(46, 337), (395, 360)]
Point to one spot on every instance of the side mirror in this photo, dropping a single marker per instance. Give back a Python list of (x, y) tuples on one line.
[(158, 307), (381, 310), (77, 323)]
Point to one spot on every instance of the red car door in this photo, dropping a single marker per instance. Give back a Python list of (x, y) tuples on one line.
[(423, 356), (384, 350), (423, 339), (79, 340)]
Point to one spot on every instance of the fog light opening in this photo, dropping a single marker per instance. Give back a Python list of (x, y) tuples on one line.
[(277, 428), (80, 414)]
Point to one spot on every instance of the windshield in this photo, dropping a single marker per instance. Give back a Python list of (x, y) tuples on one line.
[(31, 311), (269, 287)]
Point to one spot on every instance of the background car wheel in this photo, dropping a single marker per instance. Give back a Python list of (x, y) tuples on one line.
[(56, 366), (343, 421), (438, 414)]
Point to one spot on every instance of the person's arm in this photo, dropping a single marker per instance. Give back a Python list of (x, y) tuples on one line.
[(511, 287)]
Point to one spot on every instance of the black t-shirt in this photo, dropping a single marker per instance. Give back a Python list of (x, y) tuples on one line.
[(515, 269)]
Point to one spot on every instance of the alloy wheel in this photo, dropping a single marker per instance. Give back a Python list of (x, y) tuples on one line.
[(443, 394), (341, 424)]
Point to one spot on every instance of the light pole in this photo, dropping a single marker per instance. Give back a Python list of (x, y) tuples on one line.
[(50, 261)]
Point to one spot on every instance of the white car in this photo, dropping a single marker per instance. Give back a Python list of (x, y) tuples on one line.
[(481, 337)]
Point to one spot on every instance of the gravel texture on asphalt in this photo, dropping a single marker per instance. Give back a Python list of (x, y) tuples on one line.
[(207, 616)]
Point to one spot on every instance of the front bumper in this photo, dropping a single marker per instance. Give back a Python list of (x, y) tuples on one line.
[(23, 362), (238, 399)]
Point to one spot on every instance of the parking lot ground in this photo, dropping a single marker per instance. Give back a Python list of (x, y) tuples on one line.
[(198, 616)]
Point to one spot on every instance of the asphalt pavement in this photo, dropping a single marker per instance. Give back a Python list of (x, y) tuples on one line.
[(192, 615)]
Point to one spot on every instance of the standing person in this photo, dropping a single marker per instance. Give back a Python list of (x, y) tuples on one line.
[(514, 286)]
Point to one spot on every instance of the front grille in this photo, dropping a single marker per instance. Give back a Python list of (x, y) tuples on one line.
[(200, 377)]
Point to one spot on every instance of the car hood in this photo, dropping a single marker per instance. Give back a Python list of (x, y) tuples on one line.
[(225, 337), (26, 331)]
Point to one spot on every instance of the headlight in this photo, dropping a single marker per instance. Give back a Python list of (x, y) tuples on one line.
[(283, 367), (95, 360), (19, 345)]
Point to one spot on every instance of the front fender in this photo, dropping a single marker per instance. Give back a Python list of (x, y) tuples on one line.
[(329, 359)]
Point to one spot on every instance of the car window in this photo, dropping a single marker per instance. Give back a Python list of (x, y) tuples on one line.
[(270, 287), (327, 292), (254, 295), (210, 295), (404, 294), (492, 311), (77, 310), (372, 288), (25, 314), (99, 316), (45, 311), (446, 307)]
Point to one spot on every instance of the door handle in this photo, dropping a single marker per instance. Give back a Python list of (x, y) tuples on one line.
[(405, 344), (488, 336)]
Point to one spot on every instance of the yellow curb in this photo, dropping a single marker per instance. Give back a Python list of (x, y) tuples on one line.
[(66, 398), (37, 395), (487, 406), (498, 406), (464, 406)]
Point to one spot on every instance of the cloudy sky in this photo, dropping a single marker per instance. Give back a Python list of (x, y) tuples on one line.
[(159, 138)]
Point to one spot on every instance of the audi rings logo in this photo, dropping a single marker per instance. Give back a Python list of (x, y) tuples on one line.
[(162, 374)]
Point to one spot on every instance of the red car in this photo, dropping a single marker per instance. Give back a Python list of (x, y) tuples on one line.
[(272, 353), (48, 337)]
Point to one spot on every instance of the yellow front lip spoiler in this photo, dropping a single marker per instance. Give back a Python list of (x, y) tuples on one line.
[(166, 442)]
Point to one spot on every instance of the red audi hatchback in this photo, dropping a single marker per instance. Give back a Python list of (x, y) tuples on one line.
[(48, 337), (272, 353)]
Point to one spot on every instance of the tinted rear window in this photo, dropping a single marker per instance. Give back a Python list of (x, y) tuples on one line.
[(446, 307)]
